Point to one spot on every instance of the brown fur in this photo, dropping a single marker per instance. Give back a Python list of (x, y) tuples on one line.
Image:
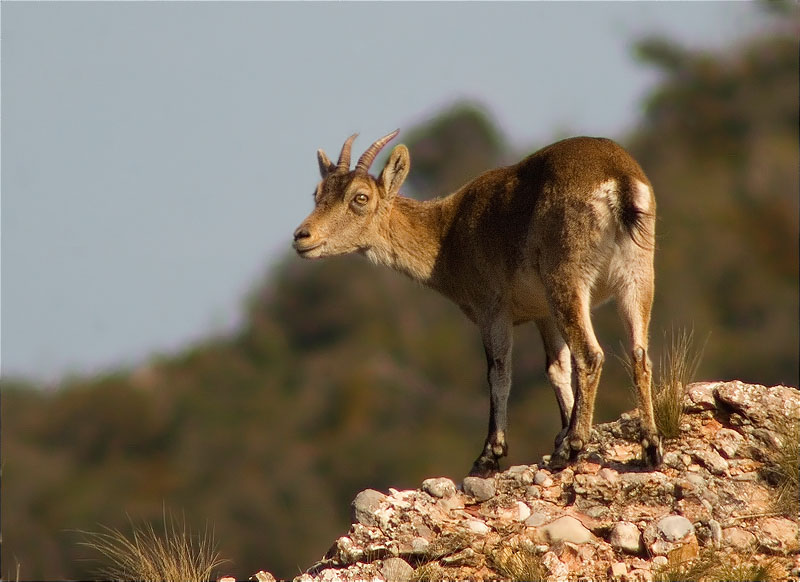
[(543, 240)]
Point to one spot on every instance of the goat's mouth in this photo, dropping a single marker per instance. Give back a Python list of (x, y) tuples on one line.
[(306, 250)]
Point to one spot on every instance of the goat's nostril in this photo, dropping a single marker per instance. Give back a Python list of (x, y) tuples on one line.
[(301, 232)]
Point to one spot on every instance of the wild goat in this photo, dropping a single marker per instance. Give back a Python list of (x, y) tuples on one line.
[(543, 240)]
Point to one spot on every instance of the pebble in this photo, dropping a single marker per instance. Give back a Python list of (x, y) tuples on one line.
[(779, 534), (566, 529), (542, 478), (674, 527), (365, 505), (738, 538), (536, 519), (626, 537), (523, 511), (608, 475), (727, 442), (716, 532), (479, 488), (660, 561), (397, 570), (618, 569), (440, 487), (478, 527)]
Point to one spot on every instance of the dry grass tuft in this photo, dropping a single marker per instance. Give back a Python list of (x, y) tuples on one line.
[(517, 564), (784, 469), (176, 555), (713, 565), (676, 368), (430, 572)]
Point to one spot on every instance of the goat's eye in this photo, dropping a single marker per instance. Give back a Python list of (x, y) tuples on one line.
[(361, 198)]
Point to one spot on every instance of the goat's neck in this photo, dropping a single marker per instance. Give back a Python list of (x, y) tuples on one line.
[(411, 237)]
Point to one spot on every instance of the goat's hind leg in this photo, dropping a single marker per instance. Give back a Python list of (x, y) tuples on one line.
[(634, 301), (559, 371), (572, 315)]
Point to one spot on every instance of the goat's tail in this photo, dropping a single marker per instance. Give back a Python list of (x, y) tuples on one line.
[(637, 212)]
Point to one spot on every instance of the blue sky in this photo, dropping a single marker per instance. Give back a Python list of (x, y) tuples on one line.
[(156, 157)]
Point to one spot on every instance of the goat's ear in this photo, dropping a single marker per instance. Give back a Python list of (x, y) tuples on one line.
[(325, 165), (395, 171)]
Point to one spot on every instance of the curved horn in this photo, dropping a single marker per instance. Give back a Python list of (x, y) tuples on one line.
[(366, 159), (344, 158)]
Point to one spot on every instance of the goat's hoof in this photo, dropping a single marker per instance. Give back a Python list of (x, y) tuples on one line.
[(566, 451), (652, 451), (484, 467), (561, 456)]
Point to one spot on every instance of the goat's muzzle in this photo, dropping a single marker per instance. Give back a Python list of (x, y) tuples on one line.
[(303, 243)]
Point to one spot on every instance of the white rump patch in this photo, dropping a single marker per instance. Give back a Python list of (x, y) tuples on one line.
[(641, 196)]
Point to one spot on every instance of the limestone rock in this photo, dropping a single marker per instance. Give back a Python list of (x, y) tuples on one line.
[(605, 516), (397, 570), (778, 534), (366, 505), (566, 529), (618, 570), (674, 527), (440, 487), (479, 488), (543, 479), (738, 538), (626, 537)]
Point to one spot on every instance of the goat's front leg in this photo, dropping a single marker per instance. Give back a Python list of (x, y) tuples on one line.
[(497, 340)]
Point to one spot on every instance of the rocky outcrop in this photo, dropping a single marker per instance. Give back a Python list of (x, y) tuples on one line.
[(604, 517)]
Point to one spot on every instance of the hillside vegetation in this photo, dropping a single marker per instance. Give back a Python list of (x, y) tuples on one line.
[(346, 377)]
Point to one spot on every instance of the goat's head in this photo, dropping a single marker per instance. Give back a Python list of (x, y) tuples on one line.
[(351, 206)]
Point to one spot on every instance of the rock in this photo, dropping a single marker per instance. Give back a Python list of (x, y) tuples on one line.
[(521, 473), (557, 569), (700, 396), (542, 478), (523, 511), (331, 575), (346, 551), (618, 569), (566, 529), (604, 516), (419, 546), (262, 576), (626, 537), (479, 488), (465, 557), (536, 519), (608, 475), (675, 527), (778, 535), (738, 538), (365, 507), (712, 461), (767, 406), (727, 441), (478, 527), (660, 561), (397, 570), (716, 532), (440, 487), (668, 534)]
